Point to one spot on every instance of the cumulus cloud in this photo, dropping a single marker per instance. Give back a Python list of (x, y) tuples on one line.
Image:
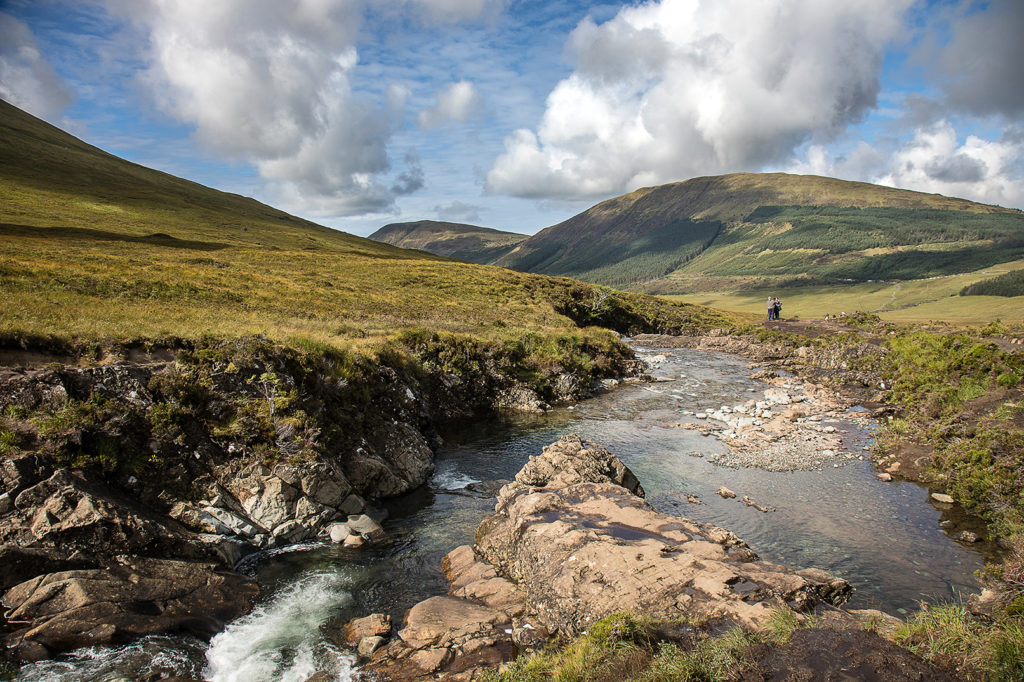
[(983, 170), (27, 79), (458, 212), (269, 81), (458, 102), (980, 67), (671, 89)]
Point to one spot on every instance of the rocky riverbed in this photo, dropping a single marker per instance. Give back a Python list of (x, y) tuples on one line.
[(792, 425), (572, 541)]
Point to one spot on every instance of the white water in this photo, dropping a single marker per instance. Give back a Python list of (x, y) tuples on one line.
[(448, 477), (281, 640), (145, 657)]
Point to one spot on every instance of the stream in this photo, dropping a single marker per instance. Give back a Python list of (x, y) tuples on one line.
[(884, 538)]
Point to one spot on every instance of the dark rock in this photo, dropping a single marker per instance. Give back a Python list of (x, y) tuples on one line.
[(99, 607)]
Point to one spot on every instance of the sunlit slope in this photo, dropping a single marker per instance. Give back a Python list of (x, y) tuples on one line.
[(908, 301), (96, 247), (457, 240), (50, 179), (776, 226)]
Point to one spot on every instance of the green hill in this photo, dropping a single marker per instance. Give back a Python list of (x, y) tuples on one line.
[(760, 227), (95, 247), (457, 240)]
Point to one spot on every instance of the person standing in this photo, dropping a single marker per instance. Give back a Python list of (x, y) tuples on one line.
[(778, 307), (771, 307)]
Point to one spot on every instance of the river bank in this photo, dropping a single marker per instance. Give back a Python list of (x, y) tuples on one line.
[(159, 463), (798, 533)]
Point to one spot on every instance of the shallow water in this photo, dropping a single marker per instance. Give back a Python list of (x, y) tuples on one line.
[(882, 537)]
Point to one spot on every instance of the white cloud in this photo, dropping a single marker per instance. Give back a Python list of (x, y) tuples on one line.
[(672, 89), (458, 102), (982, 170), (27, 79), (270, 82)]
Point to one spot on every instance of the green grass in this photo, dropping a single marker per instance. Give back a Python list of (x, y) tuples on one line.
[(951, 637), (906, 302), (93, 247)]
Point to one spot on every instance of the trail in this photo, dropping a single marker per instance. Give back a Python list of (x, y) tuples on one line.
[(892, 299)]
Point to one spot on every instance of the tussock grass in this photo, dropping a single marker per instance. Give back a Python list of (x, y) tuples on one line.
[(951, 637)]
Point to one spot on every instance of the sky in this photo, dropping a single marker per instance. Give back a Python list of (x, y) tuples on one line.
[(517, 114)]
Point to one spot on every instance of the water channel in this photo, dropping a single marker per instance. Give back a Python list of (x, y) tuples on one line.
[(884, 538)]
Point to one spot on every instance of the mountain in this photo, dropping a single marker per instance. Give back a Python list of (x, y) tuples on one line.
[(775, 226), (96, 247), (466, 242)]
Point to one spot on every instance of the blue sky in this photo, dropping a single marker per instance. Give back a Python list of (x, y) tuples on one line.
[(519, 114)]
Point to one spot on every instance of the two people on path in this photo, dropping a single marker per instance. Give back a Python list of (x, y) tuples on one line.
[(774, 308)]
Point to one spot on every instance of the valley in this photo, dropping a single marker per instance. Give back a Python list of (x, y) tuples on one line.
[(214, 413)]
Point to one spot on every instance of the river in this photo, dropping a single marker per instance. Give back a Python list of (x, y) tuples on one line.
[(884, 538)]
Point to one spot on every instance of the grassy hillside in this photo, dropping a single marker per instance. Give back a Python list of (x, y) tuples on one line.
[(94, 247), (457, 240), (770, 227), (913, 301)]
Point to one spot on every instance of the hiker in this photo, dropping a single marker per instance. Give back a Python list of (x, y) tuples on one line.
[(778, 307), (771, 308)]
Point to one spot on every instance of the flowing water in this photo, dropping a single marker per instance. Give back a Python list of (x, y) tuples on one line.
[(884, 538)]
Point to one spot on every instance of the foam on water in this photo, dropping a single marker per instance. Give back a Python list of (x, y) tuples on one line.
[(281, 640), (146, 657), (448, 477)]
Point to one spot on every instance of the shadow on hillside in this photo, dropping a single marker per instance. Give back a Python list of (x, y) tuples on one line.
[(88, 234)]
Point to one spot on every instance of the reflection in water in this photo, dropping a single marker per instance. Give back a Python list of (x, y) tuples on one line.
[(882, 537)]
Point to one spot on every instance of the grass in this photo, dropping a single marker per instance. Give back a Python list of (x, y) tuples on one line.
[(625, 646), (951, 637), (93, 247), (906, 302)]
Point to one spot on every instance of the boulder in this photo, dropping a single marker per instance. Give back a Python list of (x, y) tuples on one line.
[(570, 460), (365, 526), (563, 551), (338, 532), (374, 625), (101, 607), (584, 550), (367, 645)]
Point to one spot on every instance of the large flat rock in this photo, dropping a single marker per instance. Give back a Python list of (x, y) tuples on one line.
[(72, 609)]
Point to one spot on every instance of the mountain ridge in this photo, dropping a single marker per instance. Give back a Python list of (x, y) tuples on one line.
[(747, 227), (472, 243)]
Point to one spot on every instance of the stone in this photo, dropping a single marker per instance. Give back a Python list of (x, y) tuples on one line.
[(431, 660), (942, 498), (354, 541), (582, 551), (725, 492), (338, 532), (353, 504), (358, 629), (571, 460), (273, 505), (6, 503), (365, 526), (967, 536), (289, 533), (138, 597), (367, 645), (441, 618), (884, 476), (227, 522)]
